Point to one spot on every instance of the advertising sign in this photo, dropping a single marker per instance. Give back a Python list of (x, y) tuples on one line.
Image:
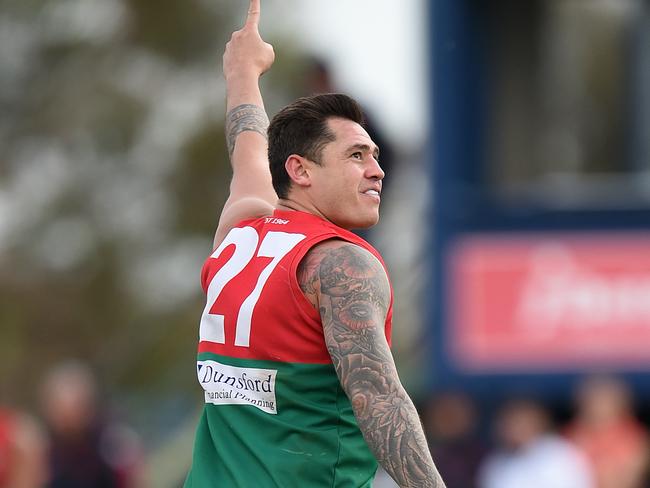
[(521, 302)]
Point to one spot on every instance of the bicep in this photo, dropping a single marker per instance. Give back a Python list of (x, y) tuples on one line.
[(353, 300)]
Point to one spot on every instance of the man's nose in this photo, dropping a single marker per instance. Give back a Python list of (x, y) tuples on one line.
[(375, 171)]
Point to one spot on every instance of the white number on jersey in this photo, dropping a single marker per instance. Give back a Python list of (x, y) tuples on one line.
[(275, 245)]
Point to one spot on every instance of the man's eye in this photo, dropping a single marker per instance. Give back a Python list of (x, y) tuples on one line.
[(357, 155)]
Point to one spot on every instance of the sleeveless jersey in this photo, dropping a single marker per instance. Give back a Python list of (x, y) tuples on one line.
[(275, 414)]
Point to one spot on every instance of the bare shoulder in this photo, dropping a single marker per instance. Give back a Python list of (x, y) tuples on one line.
[(342, 269)]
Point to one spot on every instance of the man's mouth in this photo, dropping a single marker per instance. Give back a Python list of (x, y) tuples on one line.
[(374, 194)]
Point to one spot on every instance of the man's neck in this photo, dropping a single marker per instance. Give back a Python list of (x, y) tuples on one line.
[(290, 204)]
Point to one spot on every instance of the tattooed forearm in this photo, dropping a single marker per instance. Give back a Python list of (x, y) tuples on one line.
[(353, 296), (242, 118)]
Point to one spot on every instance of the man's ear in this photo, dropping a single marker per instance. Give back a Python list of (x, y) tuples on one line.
[(299, 170)]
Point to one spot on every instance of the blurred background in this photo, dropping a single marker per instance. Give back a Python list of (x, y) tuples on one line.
[(515, 224)]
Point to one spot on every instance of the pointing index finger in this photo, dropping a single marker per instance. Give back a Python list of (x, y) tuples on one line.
[(254, 9)]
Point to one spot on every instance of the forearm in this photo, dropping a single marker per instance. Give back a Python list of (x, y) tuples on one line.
[(393, 432), (243, 89), (247, 118), (246, 58), (246, 126), (246, 139), (245, 113)]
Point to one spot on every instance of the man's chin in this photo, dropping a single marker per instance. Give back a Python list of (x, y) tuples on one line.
[(363, 223)]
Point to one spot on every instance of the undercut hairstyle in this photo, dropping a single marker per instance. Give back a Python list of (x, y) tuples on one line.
[(301, 128)]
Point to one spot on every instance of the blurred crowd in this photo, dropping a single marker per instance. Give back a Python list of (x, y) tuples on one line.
[(71, 442), (520, 443), (602, 444)]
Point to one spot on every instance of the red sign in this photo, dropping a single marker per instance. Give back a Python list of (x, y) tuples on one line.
[(544, 302)]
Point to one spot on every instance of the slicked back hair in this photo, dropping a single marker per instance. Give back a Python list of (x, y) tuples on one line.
[(301, 128)]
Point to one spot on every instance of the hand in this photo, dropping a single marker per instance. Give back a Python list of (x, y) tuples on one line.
[(246, 53)]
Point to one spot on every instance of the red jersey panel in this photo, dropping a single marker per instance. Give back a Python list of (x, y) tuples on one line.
[(255, 308)]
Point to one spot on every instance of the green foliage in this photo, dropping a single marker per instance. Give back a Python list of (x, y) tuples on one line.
[(203, 173), (183, 31), (113, 171)]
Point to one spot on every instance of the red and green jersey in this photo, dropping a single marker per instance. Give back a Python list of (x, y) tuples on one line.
[(275, 414)]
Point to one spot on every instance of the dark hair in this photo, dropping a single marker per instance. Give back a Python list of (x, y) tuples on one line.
[(301, 128)]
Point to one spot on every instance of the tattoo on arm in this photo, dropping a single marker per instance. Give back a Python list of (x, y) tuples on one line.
[(242, 118), (351, 290)]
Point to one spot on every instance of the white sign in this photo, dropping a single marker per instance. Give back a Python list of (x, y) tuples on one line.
[(231, 385)]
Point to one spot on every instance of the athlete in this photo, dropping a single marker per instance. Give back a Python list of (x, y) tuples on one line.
[(300, 385)]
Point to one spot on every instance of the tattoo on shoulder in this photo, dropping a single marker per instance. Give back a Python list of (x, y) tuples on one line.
[(244, 118), (308, 274), (355, 285)]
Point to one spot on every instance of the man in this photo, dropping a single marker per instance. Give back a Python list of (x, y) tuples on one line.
[(294, 336), (530, 454), (84, 448)]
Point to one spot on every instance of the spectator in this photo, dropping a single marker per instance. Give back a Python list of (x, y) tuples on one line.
[(606, 429), (450, 422), (86, 451), (22, 451), (530, 455)]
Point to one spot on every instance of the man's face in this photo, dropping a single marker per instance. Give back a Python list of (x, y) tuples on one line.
[(346, 187)]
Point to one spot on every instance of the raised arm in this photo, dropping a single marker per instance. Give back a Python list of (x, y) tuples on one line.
[(350, 288), (246, 58)]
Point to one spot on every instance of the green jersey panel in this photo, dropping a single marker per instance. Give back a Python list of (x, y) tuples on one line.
[(312, 439)]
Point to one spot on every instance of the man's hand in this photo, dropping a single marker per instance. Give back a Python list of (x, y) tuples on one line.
[(247, 55)]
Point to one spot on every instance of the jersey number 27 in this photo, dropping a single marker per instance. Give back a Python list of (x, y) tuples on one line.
[(275, 245)]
